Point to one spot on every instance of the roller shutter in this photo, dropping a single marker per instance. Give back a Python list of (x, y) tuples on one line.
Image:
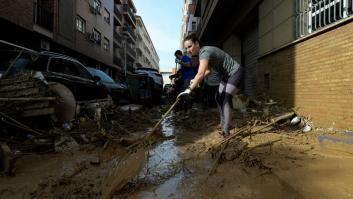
[(250, 54)]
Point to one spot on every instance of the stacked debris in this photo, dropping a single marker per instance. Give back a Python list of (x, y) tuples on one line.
[(263, 115), (25, 95)]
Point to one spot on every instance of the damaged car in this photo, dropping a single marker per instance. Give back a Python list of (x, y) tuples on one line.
[(118, 91), (66, 76), (156, 78)]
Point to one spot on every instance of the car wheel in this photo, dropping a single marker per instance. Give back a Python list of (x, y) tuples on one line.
[(65, 107)]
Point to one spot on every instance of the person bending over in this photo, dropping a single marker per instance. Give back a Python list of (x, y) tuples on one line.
[(230, 71)]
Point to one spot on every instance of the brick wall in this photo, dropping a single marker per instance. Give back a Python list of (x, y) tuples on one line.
[(316, 76), (19, 12)]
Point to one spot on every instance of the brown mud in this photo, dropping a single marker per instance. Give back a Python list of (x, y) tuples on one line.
[(279, 162)]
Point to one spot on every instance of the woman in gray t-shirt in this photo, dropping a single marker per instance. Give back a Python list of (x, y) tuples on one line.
[(229, 70)]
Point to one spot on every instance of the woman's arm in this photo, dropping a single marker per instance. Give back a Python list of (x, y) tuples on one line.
[(201, 73)]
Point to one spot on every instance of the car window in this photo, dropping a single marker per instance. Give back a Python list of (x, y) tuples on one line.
[(83, 72), (23, 63), (61, 66), (68, 67), (102, 75)]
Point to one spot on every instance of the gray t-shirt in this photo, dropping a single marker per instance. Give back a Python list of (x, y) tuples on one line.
[(213, 79), (220, 61)]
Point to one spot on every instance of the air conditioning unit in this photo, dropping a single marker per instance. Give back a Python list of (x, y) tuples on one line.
[(90, 37)]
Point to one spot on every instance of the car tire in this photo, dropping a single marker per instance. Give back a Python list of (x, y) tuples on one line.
[(65, 107)]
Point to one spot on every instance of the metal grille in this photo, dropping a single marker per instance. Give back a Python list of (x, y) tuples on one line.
[(312, 15)]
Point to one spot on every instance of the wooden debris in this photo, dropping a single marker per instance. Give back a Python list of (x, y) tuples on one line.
[(262, 145), (22, 95), (11, 121), (273, 121), (28, 99), (244, 132)]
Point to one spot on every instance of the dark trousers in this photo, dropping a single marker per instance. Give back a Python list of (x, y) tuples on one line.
[(209, 98)]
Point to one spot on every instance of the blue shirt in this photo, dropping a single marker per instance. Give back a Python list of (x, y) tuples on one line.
[(187, 73)]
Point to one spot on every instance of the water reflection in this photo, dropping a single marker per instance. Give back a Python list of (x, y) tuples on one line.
[(163, 168)]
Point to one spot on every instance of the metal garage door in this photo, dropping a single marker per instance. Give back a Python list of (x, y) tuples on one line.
[(250, 53)]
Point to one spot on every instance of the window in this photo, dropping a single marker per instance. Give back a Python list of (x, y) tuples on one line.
[(95, 6), (312, 15), (193, 26), (106, 44), (80, 24), (106, 16), (97, 36)]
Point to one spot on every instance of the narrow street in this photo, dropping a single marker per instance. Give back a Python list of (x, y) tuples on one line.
[(185, 99)]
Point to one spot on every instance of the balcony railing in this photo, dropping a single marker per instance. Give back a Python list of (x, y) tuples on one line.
[(118, 38), (130, 32), (43, 17), (118, 13), (131, 51), (127, 9)]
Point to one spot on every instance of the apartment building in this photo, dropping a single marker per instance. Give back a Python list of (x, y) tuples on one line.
[(99, 33), (146, 53), (124, 48), (298, 52), (190, 19)]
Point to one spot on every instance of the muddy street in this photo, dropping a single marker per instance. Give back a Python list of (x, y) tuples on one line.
[(295, 165), (193, 162)]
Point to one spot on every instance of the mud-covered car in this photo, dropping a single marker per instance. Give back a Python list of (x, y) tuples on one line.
[(64, 75), (118, 91), (156, 77), (55, 68)]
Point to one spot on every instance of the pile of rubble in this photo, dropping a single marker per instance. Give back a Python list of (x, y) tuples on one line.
[(29, 121), (25, 95)]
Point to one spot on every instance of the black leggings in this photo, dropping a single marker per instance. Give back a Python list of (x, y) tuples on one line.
[(226, 90)]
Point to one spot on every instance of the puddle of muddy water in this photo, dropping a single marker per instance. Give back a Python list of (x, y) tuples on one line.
[(164, 167)]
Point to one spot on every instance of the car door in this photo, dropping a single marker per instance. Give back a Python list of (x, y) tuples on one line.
[(75, 77)]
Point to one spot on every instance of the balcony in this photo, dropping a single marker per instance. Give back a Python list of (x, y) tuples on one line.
[(43, 17), (118, 38), (129, 15), (130, 33), (130, 51), (117, 60), (118, 14), (139, 50)]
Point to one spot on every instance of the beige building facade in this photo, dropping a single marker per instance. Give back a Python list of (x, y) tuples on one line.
[(146, 54)]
